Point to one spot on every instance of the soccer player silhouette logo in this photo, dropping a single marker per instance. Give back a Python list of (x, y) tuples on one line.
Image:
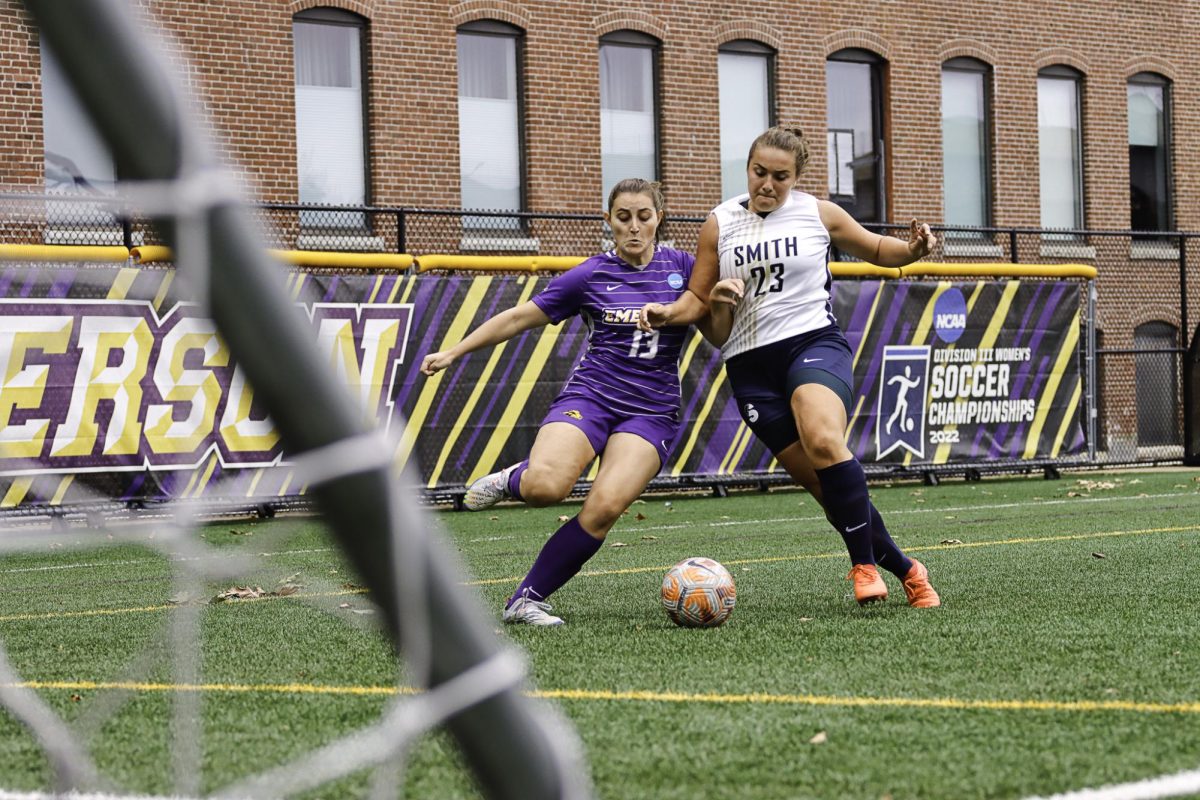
[(905, 382), (900, 421)]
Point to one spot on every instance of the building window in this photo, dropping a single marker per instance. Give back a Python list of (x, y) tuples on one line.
[(744, 70), (1060, 148), (77, 163), (331, 145), (854, 114), (1156, 373), (966, 156), (490, 121), (628, 108), (1149, 153)]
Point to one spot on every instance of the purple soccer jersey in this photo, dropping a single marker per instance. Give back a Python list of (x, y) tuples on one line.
[(630, 371)]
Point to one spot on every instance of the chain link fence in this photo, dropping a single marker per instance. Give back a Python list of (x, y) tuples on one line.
[(1142, 326)]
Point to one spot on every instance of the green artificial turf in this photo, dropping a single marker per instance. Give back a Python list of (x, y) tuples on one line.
[(1064, 655)]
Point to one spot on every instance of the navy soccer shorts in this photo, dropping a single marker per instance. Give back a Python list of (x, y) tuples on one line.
[(763, 380)]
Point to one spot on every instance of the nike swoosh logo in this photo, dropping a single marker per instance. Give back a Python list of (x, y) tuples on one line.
[(859, 525), (811, 360), (611, 288)]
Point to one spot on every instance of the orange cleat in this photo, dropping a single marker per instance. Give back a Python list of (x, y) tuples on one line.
[(918, 588), (868, 586)]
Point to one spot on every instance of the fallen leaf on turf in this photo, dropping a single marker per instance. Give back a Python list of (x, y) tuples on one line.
[(1135, 480), (649, 538), (805, 619), (640, 516), (1099, 555), (240, 593), (290, 579), (75, 698), (236, 532), (561, 518), (179, 599), (618, 544), (288, 589), (493, 519), (343, 605), (950, 541), (820, 738)]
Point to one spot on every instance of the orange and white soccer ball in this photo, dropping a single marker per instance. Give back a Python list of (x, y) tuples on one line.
[(698, 593)]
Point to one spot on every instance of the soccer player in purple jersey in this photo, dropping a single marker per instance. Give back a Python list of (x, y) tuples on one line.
[(622, 399)]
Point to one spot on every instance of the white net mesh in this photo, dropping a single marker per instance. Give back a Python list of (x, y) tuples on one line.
[(174, 532)]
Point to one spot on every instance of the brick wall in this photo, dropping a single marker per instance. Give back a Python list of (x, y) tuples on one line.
[(241, 67)]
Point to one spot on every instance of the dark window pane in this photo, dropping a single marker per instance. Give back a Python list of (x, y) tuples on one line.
[(853, 138), (1157, 378)]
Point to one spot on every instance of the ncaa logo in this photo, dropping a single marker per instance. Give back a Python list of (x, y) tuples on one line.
[(950, 315), (903, 384), (675, 280)]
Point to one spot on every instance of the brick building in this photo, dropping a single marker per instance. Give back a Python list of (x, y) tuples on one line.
[(1067, 114)]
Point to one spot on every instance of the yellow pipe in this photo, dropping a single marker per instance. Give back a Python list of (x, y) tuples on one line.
[(842, 269), (925, 269), (498, 263), (302, 258), (64, 253)]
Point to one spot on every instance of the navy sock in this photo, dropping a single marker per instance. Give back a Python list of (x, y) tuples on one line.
[(563, 555), (514, 481), (848, 506), (887, 553)]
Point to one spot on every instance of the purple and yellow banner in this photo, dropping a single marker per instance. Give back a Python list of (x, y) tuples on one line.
[(109, 386)]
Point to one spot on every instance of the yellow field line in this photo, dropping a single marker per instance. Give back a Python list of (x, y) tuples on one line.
[(926, 549), (102, 612), (646, 696), (109, 612)]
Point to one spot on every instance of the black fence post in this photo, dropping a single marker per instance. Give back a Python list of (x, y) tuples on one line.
[(401, 233), (1012, 246), (1191, 368), (127, 232)]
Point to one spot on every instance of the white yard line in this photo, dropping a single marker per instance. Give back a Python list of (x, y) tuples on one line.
[(1177, 785)]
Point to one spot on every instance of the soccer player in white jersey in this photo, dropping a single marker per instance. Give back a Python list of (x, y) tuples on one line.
[(622, 398), (762, 273)]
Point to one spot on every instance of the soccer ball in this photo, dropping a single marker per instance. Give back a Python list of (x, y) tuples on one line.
[(698, 593)]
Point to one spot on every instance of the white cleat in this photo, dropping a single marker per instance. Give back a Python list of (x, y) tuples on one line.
[(488, 490), (524, 611)]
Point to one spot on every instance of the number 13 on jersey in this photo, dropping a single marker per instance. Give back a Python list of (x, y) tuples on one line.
[(645, 344)]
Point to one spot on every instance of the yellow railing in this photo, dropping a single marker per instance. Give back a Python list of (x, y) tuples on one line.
[(148, 254)]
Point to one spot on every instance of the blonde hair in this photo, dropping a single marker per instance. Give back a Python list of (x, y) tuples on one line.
[(787, 138)]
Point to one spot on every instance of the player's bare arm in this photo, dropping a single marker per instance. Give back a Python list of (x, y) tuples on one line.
[(722, 303), (692, 305), (499, 328), (883, 251)]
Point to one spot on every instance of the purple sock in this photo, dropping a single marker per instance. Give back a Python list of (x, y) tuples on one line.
[(887, 553), (848, 506), (562, 556), (514, 481)]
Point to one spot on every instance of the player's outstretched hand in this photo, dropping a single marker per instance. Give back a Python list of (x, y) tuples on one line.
[(921, 240), (729, 291), (653, 315), (436, 362)]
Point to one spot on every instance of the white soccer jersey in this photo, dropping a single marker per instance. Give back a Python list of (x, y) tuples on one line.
[(784, 261)]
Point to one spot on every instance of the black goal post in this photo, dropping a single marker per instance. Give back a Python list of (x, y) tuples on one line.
[(142, 114)]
